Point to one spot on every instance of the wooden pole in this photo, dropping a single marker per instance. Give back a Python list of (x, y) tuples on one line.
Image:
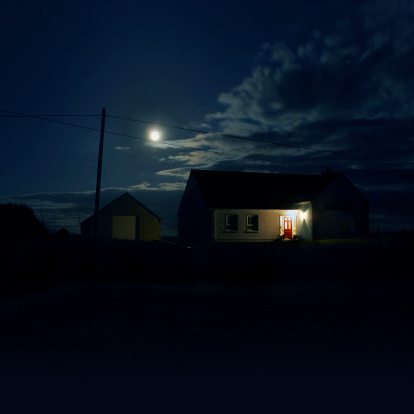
[(98, 178)]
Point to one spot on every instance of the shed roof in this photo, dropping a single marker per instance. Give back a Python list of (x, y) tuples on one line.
[(235, 189), (125, 195)]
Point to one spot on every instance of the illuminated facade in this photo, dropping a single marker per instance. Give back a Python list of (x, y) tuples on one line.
[(243, 206)]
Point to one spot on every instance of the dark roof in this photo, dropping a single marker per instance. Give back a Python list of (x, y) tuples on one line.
[(115, 200), (231, 189)]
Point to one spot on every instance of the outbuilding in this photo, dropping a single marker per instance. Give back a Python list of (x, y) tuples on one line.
[(125, 218)]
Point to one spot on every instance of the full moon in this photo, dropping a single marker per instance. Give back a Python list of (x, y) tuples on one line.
[(155, 135)]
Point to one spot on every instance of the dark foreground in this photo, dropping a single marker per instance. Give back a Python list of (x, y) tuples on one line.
[(282, 327)]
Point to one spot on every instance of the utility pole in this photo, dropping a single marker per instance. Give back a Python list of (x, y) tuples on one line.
[(98, 178)]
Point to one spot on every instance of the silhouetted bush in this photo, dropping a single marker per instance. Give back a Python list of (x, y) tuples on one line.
[(62, 232), (19, 221)]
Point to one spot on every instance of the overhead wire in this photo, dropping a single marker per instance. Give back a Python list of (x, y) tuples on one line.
[(169, 143), (265, 142), (42, 117), (34, 116)]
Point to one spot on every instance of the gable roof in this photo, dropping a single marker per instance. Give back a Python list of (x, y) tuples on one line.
[(125, 195), (234, 189)]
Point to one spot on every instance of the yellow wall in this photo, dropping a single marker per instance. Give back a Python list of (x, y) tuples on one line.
[(126, 206), (123, 227), (149, 228)]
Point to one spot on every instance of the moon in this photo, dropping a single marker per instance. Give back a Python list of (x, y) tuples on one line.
[(155, 135)]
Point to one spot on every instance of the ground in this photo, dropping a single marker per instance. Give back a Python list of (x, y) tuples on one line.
[(323, 318)]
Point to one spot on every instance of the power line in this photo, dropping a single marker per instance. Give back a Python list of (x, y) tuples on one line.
[(265, 142), (20, 115), (204, 150), (42, 117)]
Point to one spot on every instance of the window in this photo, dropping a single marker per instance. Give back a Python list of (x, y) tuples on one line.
[(252, 222), (231, 222)]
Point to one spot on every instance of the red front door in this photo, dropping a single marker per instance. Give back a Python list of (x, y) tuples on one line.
[(288, 227)]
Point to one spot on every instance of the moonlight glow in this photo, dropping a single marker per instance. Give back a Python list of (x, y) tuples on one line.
[(155, 135)]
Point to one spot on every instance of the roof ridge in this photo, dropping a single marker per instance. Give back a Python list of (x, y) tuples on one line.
[(126, 193), (259, 189)]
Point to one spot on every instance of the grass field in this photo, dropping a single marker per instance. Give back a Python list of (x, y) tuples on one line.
[(283, 311)]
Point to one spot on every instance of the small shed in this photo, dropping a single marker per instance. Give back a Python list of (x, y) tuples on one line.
[(125, 218)]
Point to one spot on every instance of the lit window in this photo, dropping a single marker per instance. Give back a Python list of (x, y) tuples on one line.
[(252, 222), (231, 222)]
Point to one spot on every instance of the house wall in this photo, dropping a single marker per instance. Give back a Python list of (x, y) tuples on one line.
[(268, 225), (149, 225), (340, 211), (124, 227), (305, 227), (194, 217), (340, 203), (86, 227)]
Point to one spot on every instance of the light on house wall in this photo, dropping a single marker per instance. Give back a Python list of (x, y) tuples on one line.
[(303, 215), (291, 212)]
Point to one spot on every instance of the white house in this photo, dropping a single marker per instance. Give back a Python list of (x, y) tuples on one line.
[(247, 206)]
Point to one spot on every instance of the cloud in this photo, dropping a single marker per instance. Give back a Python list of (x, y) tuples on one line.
[(347, 91), (352, 73), (159, 187), (176, 172), (204, 151), (119, 148)]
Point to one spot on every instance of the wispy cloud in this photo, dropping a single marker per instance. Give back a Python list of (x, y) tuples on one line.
[(159, 187), (119, 148), (176, 172)]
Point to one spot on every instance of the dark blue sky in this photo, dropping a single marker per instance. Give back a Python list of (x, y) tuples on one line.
[(328, 75)]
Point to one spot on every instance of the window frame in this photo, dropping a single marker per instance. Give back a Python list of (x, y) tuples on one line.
[(252, 227), (231, 227)]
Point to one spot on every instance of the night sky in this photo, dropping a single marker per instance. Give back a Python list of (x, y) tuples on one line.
[(270, 86)]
